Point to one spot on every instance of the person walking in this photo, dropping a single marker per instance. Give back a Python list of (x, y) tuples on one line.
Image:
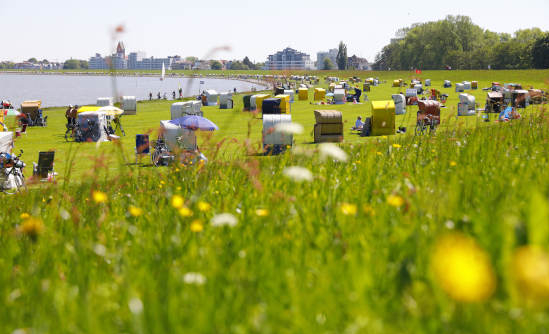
[(173, 95), (150, 96)]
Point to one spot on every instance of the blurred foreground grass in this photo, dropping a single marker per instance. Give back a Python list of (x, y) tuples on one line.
[(404, 234)]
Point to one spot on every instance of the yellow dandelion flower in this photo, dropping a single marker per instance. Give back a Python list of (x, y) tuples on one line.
[(24, 216), (203, 206), (348, 209), (395, 200), (162, 182), (453, 164), (379, 153), (462, 269), (135, 211), (368, 210), (177, 201), (383, 137), (530, 268), (197, 226), (32, 227), (99, 196), (397, 145), (262, 212), (185, 212)]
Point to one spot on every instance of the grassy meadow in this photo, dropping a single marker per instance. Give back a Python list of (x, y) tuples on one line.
[(413, 234)]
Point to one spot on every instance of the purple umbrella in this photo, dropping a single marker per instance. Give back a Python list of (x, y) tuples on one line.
[(195, 123)]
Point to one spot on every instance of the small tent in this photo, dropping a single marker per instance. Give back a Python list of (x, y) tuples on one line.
[(291, 93), (271, 106), (427, 82), (328, 126), (383, 118), (466, 106), (285, 106), (129, 105), (176, 137), (225, 100), (211, 97), (303, 94), (180, 109), (273, 140), (92, 125), (104, 101), (447, 84), (400, 104), (339, 96), (259, 101), (320, 94), (6, 142), (460, 88), (466, 85), (474, 84), (494, 102)]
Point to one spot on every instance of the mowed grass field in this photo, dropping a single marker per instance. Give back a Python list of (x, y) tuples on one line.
[(413, 234), (240, 131)]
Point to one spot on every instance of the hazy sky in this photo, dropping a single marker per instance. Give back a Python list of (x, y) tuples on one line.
[(60, 29)]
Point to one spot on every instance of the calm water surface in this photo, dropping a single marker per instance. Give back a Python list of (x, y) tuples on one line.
[(62, 90)]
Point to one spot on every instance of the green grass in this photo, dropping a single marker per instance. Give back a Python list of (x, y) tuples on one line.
[(239, 126), (301, 266)]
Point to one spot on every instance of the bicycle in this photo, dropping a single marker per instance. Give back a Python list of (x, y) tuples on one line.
[(12, 179)]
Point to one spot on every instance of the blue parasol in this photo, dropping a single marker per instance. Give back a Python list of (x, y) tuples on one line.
[(195, 123)]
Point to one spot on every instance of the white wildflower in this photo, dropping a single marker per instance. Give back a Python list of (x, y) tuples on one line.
[(298, 174), (289, 128), (136, 305), (65, 215), (194, 278), (100, 250), (332, 151), (224, 219)]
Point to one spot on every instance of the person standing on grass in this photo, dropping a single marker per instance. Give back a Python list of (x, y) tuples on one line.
[(158, 95), (173, 94), (180, 92)]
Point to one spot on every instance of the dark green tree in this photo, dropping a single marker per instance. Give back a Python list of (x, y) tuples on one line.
[(341, 58), (246, 61), (540, 52), (216, 65), (327, 64), (32, 60)]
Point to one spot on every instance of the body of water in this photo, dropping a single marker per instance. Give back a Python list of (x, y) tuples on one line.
[(62, 90)]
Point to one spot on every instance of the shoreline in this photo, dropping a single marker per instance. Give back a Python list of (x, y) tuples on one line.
[(262, 84), (244, 78)]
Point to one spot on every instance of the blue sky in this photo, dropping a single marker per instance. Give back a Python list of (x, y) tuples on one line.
[(60, 29)]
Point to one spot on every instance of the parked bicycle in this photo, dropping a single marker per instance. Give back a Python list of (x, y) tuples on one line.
[(12, 179)]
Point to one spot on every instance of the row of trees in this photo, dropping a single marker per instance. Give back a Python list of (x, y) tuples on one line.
[(458, 43), (75, 64)]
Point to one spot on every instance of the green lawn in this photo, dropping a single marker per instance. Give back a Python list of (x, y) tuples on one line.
[(236, 126), (409, 234)]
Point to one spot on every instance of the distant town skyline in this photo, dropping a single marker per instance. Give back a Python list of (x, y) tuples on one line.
[(64, 29)]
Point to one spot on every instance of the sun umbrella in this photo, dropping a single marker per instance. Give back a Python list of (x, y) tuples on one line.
[(111, 110), (195, 123), (11, 112)]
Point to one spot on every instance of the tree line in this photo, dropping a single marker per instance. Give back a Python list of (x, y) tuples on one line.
[(457, 43)]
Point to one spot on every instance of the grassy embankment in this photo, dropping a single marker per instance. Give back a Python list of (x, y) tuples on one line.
[(409, 234)]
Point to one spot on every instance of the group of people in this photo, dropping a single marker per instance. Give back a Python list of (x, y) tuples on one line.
[(174, 95), (71, 114)]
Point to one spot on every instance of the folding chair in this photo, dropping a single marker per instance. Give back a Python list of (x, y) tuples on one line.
[(44, 168), (142, 146)]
